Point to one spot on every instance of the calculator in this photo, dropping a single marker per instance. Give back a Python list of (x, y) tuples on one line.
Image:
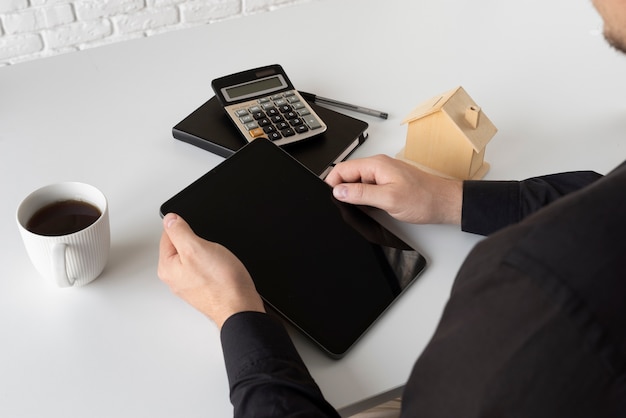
[(262, 102)]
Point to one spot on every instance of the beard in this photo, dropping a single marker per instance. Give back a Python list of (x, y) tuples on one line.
[(616, 42)]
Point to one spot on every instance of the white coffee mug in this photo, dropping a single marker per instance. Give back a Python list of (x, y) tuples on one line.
[(71, 259)]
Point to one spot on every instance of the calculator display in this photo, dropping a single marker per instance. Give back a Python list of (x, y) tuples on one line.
[(254, 88)]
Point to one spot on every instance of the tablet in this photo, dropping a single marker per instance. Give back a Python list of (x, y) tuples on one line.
[(327, 267)]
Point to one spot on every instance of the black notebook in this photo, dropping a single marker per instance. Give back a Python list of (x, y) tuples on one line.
[(209, 128), (327, 267)]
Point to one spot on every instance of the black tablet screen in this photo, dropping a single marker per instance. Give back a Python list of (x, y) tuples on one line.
[(327, 267)]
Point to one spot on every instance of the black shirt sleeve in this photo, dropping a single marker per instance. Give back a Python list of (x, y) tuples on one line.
[(266, 375), (492, 205)]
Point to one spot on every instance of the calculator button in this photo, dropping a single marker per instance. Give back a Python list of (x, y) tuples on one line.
[(297, 105), (272, 111), (254, 109), (269, 129), (296, 122), (285, 108), (277, 118), (301, 129), (246, 119), (289, 93), (280, 102), (264, 122), (241, 112), (278, 96), (258, 115), (288, 132), (251, 125), (282, 125), (263, 100), (267, 106), (257, 132), (304, 112), (293, 99), (290, 115), (274, 136), (312, 122)]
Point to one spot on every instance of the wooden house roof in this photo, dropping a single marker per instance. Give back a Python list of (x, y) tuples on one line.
[(454, 104)]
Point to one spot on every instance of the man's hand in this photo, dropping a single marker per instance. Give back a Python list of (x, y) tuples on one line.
[(402, 190), (205, 274)]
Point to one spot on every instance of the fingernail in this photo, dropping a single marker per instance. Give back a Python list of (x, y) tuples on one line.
[(170, 219), (340, 192)]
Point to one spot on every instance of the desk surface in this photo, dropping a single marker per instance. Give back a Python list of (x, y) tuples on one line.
[(124, 346)]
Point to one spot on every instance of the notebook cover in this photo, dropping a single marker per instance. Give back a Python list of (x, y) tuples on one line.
[(209, 128)]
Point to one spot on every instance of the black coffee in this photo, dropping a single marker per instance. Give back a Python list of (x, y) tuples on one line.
[(62, 218)]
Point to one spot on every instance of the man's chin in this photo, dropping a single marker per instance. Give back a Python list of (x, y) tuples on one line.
[(615, 42)]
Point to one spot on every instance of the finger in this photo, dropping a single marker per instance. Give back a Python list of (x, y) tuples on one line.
[(360, 194), (172, 239), (351, 171), (166, 248), (178, 230)]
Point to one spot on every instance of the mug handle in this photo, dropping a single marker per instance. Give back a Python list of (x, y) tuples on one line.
[(59, 268)]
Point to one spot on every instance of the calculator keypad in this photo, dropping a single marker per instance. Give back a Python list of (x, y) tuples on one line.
[(283, 118)]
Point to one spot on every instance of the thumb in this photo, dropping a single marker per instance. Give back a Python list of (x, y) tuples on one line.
[(357, 193), (177, 229)]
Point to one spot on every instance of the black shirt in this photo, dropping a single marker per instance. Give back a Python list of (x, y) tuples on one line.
[(535, 325)]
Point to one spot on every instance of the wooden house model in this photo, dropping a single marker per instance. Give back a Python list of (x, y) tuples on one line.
[(448, 135)]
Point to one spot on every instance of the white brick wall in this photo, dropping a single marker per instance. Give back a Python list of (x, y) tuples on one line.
[(31, 29)]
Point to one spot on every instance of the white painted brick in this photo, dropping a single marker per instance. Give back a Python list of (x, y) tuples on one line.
[(49, 2), (161, 3), (32, 29), (77, 33), (88, 10), (17, 45), (252, 6), (38, 18), (12, 5), (146, 20), (19, 22), (57, 15), (203, 11)]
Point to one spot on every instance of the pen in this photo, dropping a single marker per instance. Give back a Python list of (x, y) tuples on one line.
[(330, 102)]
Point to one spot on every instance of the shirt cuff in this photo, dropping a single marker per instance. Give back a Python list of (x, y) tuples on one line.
[(489, 205), (248, 337)]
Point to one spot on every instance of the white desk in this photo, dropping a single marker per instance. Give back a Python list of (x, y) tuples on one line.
[(123, 346)]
